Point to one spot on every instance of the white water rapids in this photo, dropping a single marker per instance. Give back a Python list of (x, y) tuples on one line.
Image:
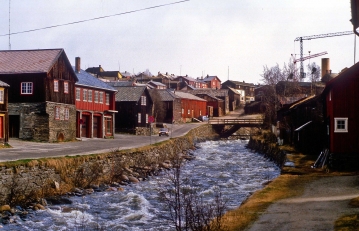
[(226, 165)]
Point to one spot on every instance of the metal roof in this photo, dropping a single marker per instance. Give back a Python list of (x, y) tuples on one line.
[(28, 61), (88, 80), (129, 94)]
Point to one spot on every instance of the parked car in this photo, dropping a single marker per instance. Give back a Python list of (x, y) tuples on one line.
[(203, 118), (163, 131)]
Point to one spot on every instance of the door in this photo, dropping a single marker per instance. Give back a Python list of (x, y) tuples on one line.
[(84, 126), (14, 126), (97, 126)]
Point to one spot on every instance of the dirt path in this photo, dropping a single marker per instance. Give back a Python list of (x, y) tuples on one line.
[(323, 201)]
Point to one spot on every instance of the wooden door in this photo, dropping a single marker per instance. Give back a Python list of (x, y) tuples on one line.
[(97, 126), (14, 126), (1, 127), (84, 126)]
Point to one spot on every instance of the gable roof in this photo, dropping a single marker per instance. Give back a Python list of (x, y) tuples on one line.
[(165, 94), (3, 84), (28, 61), (239, 83), (209, 78), (129, 94), (185, 95), (88, 80), (121, 83)]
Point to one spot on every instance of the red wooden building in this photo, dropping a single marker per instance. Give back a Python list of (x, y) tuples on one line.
[(342, 116), (4, 114), (191, 106), (41, 94), (95, 105)]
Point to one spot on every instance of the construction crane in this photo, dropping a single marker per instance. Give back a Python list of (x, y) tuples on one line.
[(300, 39), (307, 57)]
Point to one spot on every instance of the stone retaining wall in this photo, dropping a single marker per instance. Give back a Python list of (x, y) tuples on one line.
[(59, 175)]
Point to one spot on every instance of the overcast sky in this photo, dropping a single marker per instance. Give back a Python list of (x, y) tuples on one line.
[(234, 38)]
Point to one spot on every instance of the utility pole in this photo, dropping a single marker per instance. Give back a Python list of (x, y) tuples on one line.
[(9, 27)]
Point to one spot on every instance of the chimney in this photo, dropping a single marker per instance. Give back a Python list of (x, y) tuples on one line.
[(325, 66), (77, 64)]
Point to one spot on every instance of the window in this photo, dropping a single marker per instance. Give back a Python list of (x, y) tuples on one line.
[(340, 124), (188, 111), (1, 95), (143, 100), (101, 97), (78, 94), (182, 111), (139, 117), (146, 118), (56, 86), (107, 99), (108, 124), (96, 97), (26, 88), (67, 114), (89, 93), (66, 87), (84, 95), (57, 113)]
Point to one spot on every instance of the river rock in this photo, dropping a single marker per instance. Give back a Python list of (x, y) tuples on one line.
[(123, 177), (5, 208), (39, 207), (133, 179)]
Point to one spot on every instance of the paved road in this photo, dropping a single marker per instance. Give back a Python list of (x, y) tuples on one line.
[(33, 150)]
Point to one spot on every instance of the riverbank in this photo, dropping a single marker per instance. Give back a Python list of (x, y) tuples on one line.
[(301, 198)]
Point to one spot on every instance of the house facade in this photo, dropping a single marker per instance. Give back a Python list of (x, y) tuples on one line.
[(213, 82), (95, 105), (248, 89), (191, 106), (167, 106), (135, 107), (342, 117), (42, 102)]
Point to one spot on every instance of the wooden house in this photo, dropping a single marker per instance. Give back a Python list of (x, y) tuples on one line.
[(4, 114), (342, 117), (42, 101), (185, 81), (135, 106), (212, 82), (217, 99), (248, 88), (191, 106), (95, 105), (167, 106)]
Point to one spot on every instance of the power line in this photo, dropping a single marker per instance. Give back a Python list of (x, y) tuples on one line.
[(92, 19)]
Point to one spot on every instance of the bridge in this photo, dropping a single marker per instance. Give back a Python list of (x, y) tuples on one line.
[(220, 125)]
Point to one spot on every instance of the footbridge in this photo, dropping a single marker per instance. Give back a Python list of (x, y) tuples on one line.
[(226, 127)]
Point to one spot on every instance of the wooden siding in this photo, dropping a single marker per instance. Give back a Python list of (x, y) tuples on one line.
[(343, 103), (196, 108), (95, 106)]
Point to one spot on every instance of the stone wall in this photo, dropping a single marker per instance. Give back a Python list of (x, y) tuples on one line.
[(37, 121), (65, 172)]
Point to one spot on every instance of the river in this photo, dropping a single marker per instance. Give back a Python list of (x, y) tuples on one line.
[(225, 165)]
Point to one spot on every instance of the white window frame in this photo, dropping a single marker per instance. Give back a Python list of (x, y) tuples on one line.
[(66, 87), (2, 94), (182, 111), (101, 97), (84, 95), (57, 113), (26, 88), (146, 118), (89, 96), (56, 85), (139, 117), (107, 99), (78, 94), (336, 124), (67, 113), (96, 97), (143, 100), (188, 111)]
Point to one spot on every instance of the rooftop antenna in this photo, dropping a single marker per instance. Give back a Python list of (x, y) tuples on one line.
[(9, 27)]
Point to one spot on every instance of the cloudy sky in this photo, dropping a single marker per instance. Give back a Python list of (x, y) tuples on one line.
[(227, 38)]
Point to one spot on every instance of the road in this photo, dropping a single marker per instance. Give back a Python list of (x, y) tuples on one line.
[(34, 150)]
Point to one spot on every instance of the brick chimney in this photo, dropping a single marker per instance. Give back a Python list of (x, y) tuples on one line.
[(77, 64)]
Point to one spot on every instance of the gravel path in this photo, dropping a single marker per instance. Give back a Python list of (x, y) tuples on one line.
[(322, 203)]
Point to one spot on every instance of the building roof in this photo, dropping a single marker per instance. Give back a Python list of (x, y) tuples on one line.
[(165, 94), (88, 80), (129, 94), (156, 83), (209, 78), (235, 91), (28, 61), (210, 92), (185, 95), (121, 83), (3, 84), (240, 83)]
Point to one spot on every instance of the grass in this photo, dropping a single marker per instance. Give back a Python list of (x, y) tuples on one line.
[(284, 186), (348, 222)]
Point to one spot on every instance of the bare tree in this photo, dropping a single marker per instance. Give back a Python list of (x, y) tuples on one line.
[(159, 111), (314, 74), (187, 208)]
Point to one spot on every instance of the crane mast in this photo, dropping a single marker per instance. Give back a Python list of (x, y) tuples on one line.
[(300, 39)]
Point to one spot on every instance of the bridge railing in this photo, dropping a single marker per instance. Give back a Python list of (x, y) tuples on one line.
[(236, 121)]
